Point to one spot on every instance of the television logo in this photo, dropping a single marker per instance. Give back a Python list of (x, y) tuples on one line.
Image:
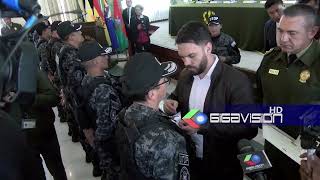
[(195, 118), (274, 116), (252, 160)]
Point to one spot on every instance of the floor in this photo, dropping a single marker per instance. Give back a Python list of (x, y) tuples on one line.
[(72, 155)]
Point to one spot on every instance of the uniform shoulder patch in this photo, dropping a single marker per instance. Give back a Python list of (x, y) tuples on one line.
[(183, 159), (184, 174), (272, 50)]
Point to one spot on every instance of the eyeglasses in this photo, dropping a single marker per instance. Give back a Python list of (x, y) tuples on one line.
[(165, 80)]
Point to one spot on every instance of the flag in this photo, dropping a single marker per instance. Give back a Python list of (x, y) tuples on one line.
[(117, 23), (99, 16), (89, 12), (113, 34)]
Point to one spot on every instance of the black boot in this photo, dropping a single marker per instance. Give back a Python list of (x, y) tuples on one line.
[(88, 158), (96, 172)]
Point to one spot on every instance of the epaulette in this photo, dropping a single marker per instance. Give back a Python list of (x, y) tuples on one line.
[(272, 51)]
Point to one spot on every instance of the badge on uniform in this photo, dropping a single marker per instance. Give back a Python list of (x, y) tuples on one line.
[(28, 123), (274, 71), (304, 76), (183, 165)]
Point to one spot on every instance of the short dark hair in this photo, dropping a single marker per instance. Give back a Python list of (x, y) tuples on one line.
[(270, 3), (302, 10), (194, 32)]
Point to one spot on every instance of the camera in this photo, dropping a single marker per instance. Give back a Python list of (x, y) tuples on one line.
[(18, 58)]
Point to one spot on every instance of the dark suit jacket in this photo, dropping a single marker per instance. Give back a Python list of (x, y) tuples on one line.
[(270, 30), (125, 17), (228, 86), (135, 22)]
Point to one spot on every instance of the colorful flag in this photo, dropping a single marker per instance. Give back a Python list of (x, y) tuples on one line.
[(118, 24), (99, 16)]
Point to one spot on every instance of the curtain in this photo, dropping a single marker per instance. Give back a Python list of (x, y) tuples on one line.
[(56, 6)]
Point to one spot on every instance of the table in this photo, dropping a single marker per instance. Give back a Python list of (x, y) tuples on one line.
[(244, 22)]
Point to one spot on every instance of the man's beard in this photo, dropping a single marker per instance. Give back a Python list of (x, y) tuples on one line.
[(202, 67)]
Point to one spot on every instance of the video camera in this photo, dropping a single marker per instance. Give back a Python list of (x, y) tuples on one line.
[(18, 58)]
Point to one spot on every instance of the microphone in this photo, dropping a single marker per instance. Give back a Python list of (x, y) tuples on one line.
[(253, 163)]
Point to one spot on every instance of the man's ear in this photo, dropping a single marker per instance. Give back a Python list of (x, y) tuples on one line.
[(314, 30), (151, 94), (208, 47)]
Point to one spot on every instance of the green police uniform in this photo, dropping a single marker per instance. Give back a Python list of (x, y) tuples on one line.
[(279, 82), (11, 28)]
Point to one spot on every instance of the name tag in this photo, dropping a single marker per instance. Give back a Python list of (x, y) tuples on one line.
[(28, 123), (274, 71)]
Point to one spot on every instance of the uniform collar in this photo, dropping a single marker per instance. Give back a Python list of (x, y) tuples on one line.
[(142, 114), (301, 53), (306, 56)]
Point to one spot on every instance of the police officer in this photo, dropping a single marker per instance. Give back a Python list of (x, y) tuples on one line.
[(68, 56), (289, 74), (223, 45), (10, 26), (54, 46), (102, 105), (71, 74), (69, 68), (42, 138), (151, 148), (44, 32)]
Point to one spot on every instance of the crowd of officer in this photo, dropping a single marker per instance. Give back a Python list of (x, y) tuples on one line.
[(125, 125)]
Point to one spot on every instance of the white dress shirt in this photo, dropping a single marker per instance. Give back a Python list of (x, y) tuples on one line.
[(129, 14), (197, 98)]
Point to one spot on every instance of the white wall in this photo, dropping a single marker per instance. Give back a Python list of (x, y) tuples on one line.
[(154, 9)]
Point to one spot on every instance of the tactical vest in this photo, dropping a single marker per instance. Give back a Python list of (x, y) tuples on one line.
[(126, 136), (86, 95), (39, 44), (61, 74)]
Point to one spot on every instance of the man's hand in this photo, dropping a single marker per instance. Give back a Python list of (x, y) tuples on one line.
[(89, 134), (170, 106), (187, 128), (310, 168), (62, 98), (50, 77)]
